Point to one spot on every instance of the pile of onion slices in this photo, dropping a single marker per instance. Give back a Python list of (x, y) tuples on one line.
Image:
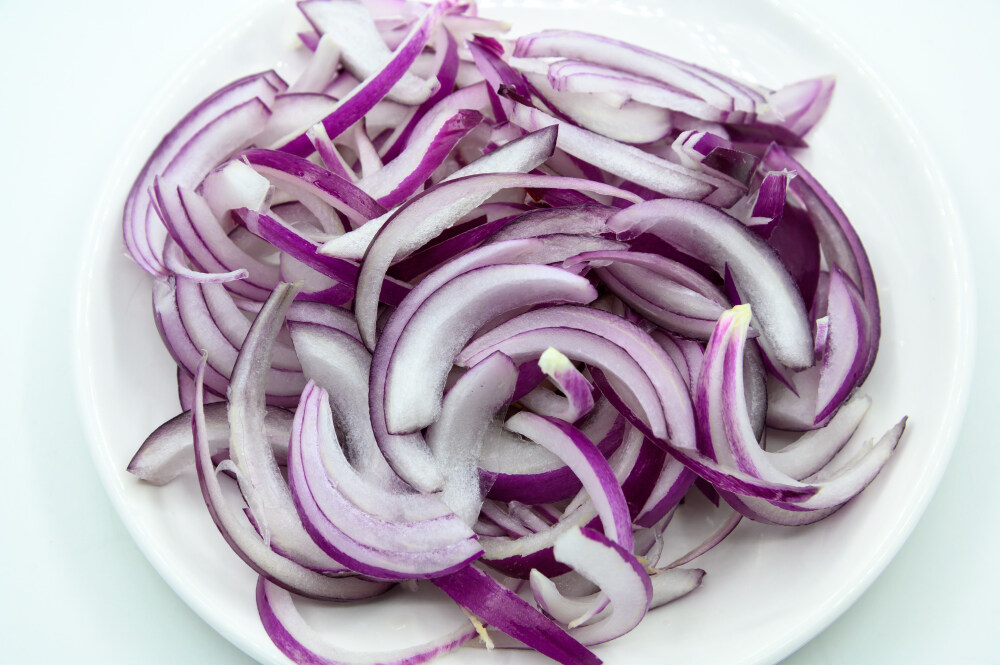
[(481, 312)]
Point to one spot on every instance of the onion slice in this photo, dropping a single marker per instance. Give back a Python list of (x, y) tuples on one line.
[(296, 639)]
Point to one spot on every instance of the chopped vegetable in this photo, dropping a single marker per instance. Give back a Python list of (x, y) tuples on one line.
[(481, 312)]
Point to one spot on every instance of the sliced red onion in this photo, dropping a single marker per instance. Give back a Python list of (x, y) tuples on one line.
[(425, 216), (233, 324), (840, 242), (630, 59), (197, 231), (363, 51), (557, 247), (579, 397), (212, 145), (292, 113), (447, 247), (235, 185), (647, 363), (666, 292), (799, 106), (446, 320), (446, 53), (408, 454), (260, 479), (813, 450), (582, 456), (705, 466), (166, 452), (365, 480), (247, 543), (297, 174), (329, 154), (456, 438), (823, 388), (178, 342), (592, 349), (394, 451), (629, 122), (203, 328), (303, 644), (185, 392), (724, 426), (316, 286), (320, 69), (287, 239), (517, 556), (669, 585), (501, 517), (577, 220), (487, 55), (628, 161), (713, 236), (368, 544), (534, 519), (177, 263), (504, 610), (521, 156), (619, 575), (379, 82), (359, 141), (579, 76), (403, 176), (768, 203), (567, 610), (846, 349), (672, 481), (686, 354), (703, 149), (141, 236), (339, 364), (521, 470), (794, 239)]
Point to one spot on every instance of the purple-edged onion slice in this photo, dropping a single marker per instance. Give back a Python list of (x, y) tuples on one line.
[(289, 631)]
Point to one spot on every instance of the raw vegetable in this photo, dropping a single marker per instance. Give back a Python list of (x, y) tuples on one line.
[(478, 311)]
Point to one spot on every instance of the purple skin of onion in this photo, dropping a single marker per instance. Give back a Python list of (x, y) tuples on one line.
[(549, 483), (437, 332), (407, 453), (247, 543), (426, 215), (330, 188), (360, 100), (617, 572), (504, 610), (137, 213), (838, 238), (305, 250), (365, 543), (713, 236), (724, 427), (581, 455)]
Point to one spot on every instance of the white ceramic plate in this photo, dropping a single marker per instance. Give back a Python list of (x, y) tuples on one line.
[(768, 590)]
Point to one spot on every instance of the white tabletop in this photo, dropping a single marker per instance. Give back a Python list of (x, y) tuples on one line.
[(75, 588)]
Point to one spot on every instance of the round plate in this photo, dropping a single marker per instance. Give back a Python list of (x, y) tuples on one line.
[(768, 589)]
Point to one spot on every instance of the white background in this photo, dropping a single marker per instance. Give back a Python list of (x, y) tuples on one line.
[(73, 586)]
